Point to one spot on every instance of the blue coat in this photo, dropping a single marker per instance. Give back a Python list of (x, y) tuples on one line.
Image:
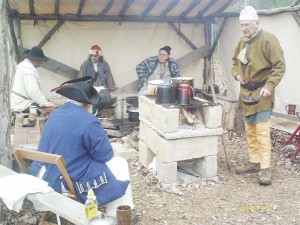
[(78, 136)]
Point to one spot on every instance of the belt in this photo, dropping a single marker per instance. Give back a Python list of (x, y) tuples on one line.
[(251, 86), (22, 96)]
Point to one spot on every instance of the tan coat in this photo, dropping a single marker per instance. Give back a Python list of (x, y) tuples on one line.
[(265, 62)]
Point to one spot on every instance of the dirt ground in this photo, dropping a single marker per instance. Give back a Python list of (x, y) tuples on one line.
[(225, 200), (229, 199)]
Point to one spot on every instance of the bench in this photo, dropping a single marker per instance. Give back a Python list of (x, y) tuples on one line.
[(61, 205)]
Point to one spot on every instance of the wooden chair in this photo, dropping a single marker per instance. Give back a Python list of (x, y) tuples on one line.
[(22, 153), (22, 156)]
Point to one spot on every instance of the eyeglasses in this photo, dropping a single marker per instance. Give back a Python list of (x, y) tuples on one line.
[(246, 25)]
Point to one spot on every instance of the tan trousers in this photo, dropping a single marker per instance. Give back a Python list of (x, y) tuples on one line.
[(259, 141)]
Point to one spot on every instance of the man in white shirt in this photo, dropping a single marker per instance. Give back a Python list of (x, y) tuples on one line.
[(26, 90)]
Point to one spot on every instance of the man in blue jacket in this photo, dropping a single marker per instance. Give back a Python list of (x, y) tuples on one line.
[(73, 132)]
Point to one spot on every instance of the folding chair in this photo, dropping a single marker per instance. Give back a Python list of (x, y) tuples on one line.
[(23, 155)]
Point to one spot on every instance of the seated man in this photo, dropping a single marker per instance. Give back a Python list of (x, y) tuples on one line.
[(160, 67), (73, 132), (98, 68), (26, 90)]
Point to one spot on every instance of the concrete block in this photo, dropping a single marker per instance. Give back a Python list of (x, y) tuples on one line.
[(178, 149), (212, 116), (145, 154), (206, 166), (166, 119), (124, 151), (166, 172), (145, 107)]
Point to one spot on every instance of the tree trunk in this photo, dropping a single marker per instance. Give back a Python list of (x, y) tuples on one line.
[(5, 143)]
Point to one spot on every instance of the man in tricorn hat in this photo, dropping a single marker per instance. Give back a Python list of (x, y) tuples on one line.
[(160, 67), (258, 66), (26, 90), (73, 132)]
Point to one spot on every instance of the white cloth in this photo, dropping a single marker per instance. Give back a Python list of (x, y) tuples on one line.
[(14, 188), (27, 83)]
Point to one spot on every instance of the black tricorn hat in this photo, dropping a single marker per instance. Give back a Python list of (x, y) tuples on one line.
[(36, 53), (79, 91)]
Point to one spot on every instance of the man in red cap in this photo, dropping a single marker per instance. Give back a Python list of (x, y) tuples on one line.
[(97, 68)]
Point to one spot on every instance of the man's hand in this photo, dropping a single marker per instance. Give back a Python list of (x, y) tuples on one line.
[(265, 92), (239, 79)]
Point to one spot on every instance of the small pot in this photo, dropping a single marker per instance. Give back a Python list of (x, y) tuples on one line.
[(165, 94), (133, 114), (152, 85)]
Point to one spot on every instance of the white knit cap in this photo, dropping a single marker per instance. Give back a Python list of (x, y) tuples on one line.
[(248, 13)]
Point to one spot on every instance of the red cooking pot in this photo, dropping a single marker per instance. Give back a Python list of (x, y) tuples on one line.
[(185, 94)]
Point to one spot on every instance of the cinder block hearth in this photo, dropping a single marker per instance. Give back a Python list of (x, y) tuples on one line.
[(162, 135)]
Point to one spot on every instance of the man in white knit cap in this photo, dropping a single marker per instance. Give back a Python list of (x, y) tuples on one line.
[(258, 65)]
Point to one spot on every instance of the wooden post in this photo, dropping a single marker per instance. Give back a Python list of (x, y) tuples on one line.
[(5, 145)]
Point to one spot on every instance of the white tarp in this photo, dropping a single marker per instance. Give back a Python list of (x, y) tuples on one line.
[(124, 46), (288, 33)]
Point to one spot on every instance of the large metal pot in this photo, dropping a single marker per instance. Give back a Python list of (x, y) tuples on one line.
[(152, 86), (165, 94)]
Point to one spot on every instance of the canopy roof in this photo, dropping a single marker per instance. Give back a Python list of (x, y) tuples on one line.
[(184, 11)]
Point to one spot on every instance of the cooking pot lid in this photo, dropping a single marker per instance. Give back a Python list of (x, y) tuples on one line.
[(183, 78), (165, 84), (133, 109), (155, 81)]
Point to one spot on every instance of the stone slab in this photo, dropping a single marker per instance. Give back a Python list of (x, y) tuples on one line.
[(145, 154), (166, 172), (173, 150), (124, 151)]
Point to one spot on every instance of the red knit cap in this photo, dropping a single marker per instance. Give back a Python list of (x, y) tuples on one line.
[(95, 50)]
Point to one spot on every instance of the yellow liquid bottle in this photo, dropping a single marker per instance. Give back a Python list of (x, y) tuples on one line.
[(91, 205)]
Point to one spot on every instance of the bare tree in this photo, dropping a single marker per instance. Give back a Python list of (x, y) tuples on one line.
[(5, 143)]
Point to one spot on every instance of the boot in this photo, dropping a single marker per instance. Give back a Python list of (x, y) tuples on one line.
[(265, 177), (248, 168)]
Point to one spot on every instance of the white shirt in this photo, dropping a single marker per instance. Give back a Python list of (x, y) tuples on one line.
[(27, 84)]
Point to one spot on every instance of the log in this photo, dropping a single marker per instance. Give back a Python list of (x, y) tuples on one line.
[(113, 133)]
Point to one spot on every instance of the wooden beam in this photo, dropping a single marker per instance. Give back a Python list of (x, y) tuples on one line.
[(14, 39), (89, 18), (81, 4), (149, 8), (193, 56), (125, 7), (296, 17), (207, 7), (217, 38), (185, 38), (107, 8), (56, 7), (223, 7), (57, 67), (190, 8), (265, 12), (31, 7), (169, 8), (51, 32)]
